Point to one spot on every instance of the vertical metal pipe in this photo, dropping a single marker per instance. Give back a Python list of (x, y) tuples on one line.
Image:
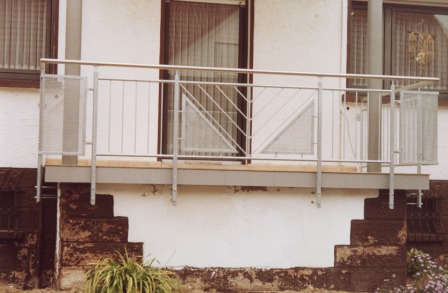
[(39, 143), (39, 178), (175, 136), (344, 126), (149, 116), (319, 144), (248, 120), (135, 117), (375, 66), (419, 143), (122, 117), (357, 116), (110, 116), (94, 137), (57, 254), (392, 148), (419, 198)]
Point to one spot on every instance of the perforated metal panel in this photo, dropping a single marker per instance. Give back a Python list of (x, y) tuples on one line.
[(297, 136), (418, 127), (198, 132), (63, 115)]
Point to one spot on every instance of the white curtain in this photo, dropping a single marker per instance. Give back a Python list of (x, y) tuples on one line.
[(358, 46), (419, 46), (205, 34), (22, 33)]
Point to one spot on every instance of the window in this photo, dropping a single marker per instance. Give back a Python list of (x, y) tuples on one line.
[(7, 211), (425, 224), (415, 43), (28, 30), (202, 33)]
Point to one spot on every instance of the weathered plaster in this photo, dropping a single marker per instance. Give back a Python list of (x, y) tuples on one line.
[(216, 226)]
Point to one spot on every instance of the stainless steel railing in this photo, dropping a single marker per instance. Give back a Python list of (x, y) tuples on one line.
[(287, 117)]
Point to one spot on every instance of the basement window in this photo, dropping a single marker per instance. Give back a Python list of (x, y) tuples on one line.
[(425, 224), (8, 217)]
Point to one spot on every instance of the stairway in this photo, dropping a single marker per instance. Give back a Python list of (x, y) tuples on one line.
[(376, 256), (89, 232)]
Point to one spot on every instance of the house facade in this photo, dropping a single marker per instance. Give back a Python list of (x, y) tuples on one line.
[(231, 140)]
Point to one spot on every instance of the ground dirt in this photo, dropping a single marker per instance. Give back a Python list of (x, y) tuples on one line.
[(12, 289)]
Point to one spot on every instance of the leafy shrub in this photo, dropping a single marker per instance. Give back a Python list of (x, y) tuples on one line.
[(417, 261), (124, 274)]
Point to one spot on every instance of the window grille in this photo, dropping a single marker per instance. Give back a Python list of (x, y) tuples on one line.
[(425, 224), (8, 221)]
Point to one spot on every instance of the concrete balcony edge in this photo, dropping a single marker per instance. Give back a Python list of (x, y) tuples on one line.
[(225, 177)]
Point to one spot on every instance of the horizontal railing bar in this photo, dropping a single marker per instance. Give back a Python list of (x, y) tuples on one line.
[(238, 70), (167, 81), (192, 157), (413, 86), (134, 80), (359, 90)]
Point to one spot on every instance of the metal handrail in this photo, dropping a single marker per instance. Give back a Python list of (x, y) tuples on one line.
[(241, 70), (419, 82)]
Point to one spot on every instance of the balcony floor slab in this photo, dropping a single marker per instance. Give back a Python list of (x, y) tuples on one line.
[(303, 176)]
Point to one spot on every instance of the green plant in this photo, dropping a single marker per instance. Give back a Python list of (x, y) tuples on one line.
[(124, 274), (425, 275), (416, 261)]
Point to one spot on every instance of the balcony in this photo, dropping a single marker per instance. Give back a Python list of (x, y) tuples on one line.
[(161, 124)]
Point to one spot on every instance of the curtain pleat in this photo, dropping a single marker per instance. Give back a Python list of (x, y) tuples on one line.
[(204, 34), (22, 33), (419, 46), (358, 46)]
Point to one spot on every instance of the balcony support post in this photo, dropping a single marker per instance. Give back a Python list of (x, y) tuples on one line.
[(175, 136), (94, 136), (319, 144), (39, 143), (392, 148), (375, 66)]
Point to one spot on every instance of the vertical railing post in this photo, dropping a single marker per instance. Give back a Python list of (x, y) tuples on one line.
[(248, 120), (94, 136), (175, 136), (420, 143), (39, 143), (319, 144), (392, 148), (420, 193)]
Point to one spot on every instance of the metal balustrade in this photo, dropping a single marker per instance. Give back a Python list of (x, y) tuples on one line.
[(278, 117)]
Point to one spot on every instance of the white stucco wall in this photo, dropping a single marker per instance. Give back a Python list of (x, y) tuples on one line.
[(19, 120), (228, 227), (121, 31), (215, 226), (308, 37)]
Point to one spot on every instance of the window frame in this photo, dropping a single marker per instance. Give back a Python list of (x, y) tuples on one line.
[(31, 78), (388, 12), (245, 59)]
